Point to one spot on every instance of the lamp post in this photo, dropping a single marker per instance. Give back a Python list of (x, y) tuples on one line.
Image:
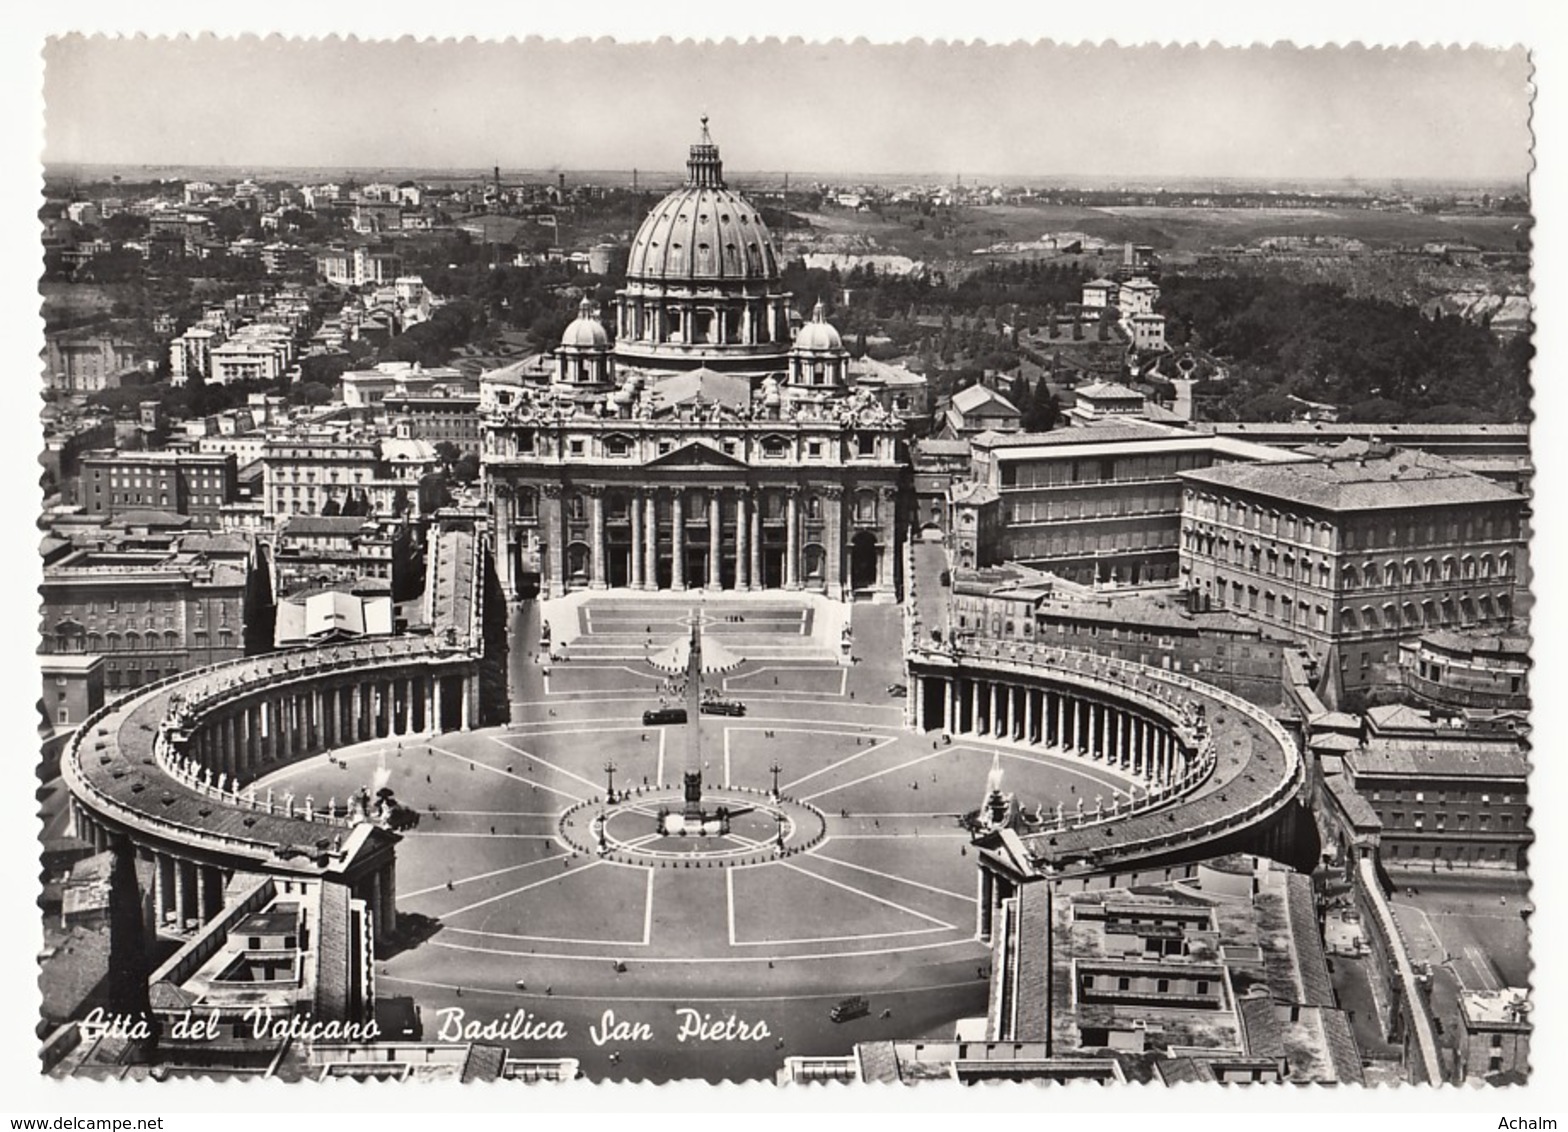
[(775, 769), (609, 773)]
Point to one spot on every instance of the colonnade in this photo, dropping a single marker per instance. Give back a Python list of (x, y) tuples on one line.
[(293, 721), (1066, 719), (186, 892)]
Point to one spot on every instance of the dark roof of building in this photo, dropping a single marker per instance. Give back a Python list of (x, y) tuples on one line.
[(484, 1063), (75, 973), (1260, 1027), (1342, 1048), (1455, 759), (1316, 989), (1031, 1018), (1357, 808), (325, 524), (1095, 432), (878, 1061), (1179, 1070), (1476, 641), (1359, 476)]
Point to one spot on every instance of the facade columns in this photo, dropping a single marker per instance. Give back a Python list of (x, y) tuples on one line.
[(792, 540), (677, 541), (598, 573), (715, 540), (637, 555), (552, 526), (755, 578), (833, 540), (650, 541), (983, 901), (742, 522), (503, 540)]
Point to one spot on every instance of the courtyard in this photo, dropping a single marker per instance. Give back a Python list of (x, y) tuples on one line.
[(506, 906)]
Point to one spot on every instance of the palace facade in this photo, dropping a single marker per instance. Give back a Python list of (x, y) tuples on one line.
[(709, 446)]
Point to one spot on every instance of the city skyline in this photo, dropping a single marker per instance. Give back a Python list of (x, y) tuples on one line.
[(1262, 114)]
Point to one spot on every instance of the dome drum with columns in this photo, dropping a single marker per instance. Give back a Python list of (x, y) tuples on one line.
[(702, 281)]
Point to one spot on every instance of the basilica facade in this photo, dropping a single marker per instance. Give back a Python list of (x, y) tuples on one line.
[(709, 445)]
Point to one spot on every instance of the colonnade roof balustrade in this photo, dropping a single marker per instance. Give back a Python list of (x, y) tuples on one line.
[(1258, 770), (110, 764)]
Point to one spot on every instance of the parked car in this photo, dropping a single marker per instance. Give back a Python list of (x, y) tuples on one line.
[(657, 716), (723, 707), (898, 689)]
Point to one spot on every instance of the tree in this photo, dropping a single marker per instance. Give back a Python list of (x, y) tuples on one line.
[(1044, 414), (448, 453), (466, 469)]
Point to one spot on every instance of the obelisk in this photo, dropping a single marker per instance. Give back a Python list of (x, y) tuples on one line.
[(692, 778)]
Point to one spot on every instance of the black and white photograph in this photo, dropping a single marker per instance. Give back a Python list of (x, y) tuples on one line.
[(786, 561)]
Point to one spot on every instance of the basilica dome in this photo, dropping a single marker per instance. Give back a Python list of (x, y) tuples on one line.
[(702, 282), (703, 232)]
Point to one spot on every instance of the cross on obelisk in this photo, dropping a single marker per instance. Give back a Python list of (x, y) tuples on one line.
[(692, 778)]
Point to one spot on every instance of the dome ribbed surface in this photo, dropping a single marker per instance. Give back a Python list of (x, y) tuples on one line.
[(702, 232)]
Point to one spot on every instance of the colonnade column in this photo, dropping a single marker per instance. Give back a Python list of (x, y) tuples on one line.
[(974, 707), (983, 900), (435, 696), (166, 891), (598, 574), (636, 571), (949, 698), (677, 542), (715, 540), (1029, 715)]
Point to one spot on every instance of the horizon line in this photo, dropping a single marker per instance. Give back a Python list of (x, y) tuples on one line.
[(53, 167)]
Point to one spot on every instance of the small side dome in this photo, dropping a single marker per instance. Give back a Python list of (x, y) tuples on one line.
[(818, 334), (586, 332)]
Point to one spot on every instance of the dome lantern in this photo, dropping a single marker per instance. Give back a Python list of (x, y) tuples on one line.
[(704, 169)]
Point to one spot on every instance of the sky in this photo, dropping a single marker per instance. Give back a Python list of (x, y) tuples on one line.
[(1272, 113)]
